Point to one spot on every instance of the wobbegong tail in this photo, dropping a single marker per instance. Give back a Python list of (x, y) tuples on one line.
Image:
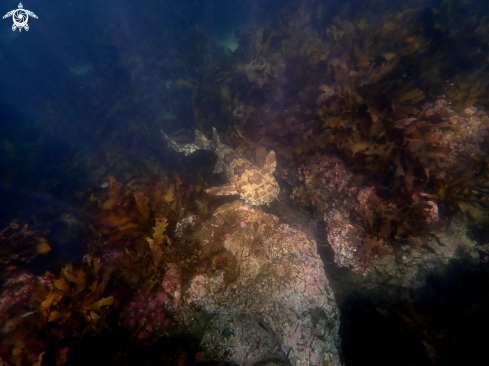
[(201, 143)]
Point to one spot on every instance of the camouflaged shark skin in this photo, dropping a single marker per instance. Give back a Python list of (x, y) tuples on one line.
[(256, 186)]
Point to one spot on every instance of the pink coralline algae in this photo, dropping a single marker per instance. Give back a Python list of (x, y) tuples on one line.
[(462, 132), (328, 177), (328, 185), (17, 293), (148, 313), (278, 307), (112, 255), (172, 285), (364, 196)]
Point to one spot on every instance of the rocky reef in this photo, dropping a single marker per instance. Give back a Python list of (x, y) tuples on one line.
[(381, 135), (273, 304)]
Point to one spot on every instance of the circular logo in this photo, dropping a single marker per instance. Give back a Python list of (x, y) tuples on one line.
[(20, 18)]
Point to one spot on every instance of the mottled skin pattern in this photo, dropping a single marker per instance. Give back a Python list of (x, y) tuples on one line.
[(255, 185)]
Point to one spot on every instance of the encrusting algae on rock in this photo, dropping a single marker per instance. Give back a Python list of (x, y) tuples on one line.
[(278, 307)]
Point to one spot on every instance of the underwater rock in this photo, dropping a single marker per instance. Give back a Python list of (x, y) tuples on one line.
[(409, 264), (146, 314), (429, 255), (329, 186), (274, 304), (16, 294), (326, 184), (465, 131)]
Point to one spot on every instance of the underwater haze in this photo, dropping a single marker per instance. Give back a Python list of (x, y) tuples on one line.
[(299, 182)]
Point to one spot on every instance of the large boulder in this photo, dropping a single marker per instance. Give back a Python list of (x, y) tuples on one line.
[(266, 288)]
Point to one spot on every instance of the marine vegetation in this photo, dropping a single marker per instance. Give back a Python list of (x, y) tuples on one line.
[(129, 243), (373, 118), (374, 90), (19, 246)]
